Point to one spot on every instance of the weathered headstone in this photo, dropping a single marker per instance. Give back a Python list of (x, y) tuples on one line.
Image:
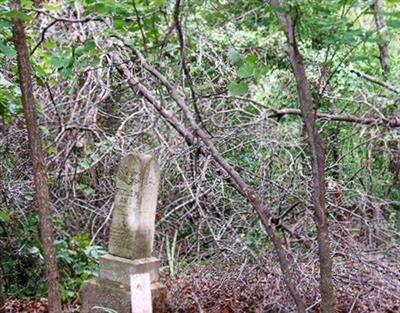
[(132, 227), (131, 240)]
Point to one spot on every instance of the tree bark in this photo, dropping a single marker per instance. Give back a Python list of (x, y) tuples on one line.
[(381, 28), (2, 295), (38, 162), (328, 299)]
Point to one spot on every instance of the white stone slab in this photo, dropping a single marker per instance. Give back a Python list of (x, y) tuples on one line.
[(141, 293)]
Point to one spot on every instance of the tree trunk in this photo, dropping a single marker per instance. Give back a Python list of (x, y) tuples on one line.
[(38, 163), (2, 295), (381, 28), (384, 57), (328, 299)]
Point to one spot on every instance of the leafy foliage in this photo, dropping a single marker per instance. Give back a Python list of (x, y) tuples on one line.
[(23, 258)]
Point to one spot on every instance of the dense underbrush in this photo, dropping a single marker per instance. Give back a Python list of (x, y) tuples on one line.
[(367, 272)]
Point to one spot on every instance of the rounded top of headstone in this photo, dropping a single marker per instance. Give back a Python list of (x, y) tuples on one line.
[(131, 165)]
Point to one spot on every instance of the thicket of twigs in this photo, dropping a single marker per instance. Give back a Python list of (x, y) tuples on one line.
[(215, 252)]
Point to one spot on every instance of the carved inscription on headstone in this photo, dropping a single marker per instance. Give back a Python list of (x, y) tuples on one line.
[(132, 226)]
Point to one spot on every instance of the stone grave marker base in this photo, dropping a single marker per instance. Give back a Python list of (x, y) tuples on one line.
[(113, 295), (118, 269)]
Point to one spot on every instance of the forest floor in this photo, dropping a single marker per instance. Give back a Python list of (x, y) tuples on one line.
[(258, 290), (26, 306), (366, 286)]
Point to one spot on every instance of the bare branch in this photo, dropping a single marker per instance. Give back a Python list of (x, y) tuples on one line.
[(375, 81), (388, 122)]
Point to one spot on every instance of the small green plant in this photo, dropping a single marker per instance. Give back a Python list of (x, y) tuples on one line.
[(78, 262), (23, 260), (172, 253), (107, 310)]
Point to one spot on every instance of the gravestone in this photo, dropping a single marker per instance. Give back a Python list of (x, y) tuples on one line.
[(131, 240)]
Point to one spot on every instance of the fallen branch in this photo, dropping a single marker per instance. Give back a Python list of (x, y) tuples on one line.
[(208, 148)]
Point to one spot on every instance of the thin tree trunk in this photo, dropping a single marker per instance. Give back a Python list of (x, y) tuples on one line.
[(381, 28), (3, 201), (328, 299), (38, 163), (2, 295), (384, 57)]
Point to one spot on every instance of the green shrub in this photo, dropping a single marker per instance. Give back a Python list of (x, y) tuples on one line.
[(23, 259)]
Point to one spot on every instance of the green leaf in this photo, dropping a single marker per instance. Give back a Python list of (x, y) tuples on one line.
[(238, 89), (50, 44), (8, 51), (35, 250), (28, 197), (52, 7), (5, 216), (59, 61), (251, 59), (5, 24), (67, 73), (27, 4), (82, 240), (121, 23), (394, 24), (247, 70), (234, 56), (159, 3), (261, 72), (51, 150), (85, 164), (23, 16), (45, 130), (90, 45), (86, 188)]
